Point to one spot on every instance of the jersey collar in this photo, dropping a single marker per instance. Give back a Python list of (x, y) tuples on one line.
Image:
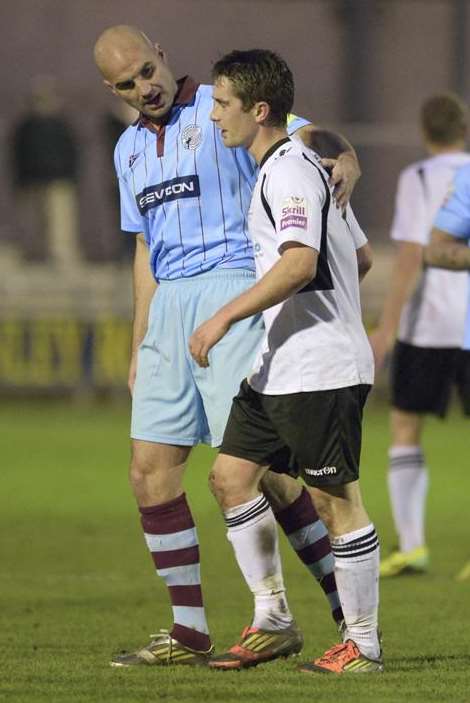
[(185, 94), (272, 149)]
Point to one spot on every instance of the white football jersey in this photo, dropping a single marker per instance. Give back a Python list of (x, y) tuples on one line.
[(435, 314), (315, 339)]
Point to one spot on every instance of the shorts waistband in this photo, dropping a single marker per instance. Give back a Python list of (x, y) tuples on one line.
[(217, 273)]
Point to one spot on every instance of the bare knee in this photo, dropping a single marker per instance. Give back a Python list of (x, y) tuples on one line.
[(156, 472), (234, 481), (224, 483), (141, 466)]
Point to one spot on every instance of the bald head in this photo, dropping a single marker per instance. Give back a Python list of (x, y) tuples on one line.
[(116, 44), (136, 70)]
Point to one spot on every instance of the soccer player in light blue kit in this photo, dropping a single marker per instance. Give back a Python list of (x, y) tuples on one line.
[(449, 249), (186, 197)]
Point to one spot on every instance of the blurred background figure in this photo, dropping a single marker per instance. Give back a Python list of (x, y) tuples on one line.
[(45, 170), (424, 311)]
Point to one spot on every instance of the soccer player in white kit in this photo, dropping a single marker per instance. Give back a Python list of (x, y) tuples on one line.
[(301, 406), (424, 311)]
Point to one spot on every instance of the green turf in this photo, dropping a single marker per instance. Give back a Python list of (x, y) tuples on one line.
[(76, 583)]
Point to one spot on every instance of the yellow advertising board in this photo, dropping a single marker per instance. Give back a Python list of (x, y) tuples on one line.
[(64, 353)]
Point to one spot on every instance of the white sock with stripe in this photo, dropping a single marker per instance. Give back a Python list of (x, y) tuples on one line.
[(357, 578), (408, 487), (252, 530)]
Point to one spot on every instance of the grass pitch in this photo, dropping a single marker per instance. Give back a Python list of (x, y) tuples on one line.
[(76, 582)]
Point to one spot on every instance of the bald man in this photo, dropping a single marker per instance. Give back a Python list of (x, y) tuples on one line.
[(185, 197)]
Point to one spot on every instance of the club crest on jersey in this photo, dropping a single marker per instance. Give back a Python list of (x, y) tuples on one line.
[(294, 213), (191, 136)]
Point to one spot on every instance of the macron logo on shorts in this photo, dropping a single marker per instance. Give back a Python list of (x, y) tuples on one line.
[(325, 471), (173, 189)]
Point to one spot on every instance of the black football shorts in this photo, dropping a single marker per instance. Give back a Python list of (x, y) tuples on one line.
[(422, 378), (315, 435)]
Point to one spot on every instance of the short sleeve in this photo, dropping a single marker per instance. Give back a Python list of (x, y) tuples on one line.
[(131, 219), (296, 195), (358, 235), (409, 221), (454, 215)]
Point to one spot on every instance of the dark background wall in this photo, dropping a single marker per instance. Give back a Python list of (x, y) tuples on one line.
[(362, 65)]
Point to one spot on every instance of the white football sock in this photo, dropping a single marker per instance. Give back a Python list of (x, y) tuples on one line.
[(357, 578), (252, 530), (408, 487)]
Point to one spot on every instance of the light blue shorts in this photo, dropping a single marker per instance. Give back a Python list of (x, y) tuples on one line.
[(174, 400)]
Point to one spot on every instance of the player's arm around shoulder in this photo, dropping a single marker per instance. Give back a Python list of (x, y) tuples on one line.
[(338, 156)]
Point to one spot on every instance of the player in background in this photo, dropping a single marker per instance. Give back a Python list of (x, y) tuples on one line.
[(449, 249), (300, 408), (186, 197), (423, 319)]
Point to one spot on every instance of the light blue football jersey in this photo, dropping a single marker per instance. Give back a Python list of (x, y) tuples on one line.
[(454, 218), (185, 191)]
